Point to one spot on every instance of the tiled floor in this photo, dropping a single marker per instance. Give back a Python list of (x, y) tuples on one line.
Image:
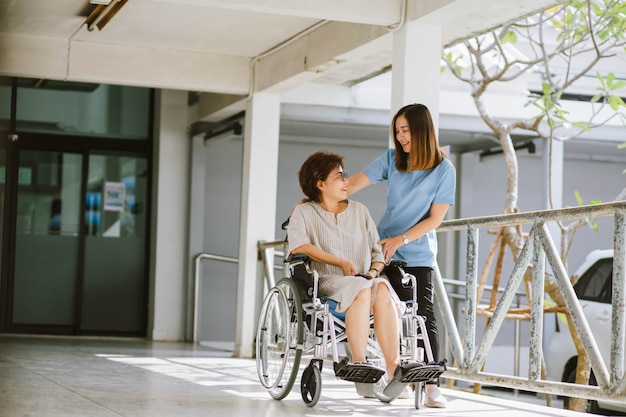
[(65, 377)]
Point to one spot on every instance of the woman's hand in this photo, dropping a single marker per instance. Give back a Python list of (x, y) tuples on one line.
[(372, 274), (390, 246), (348, 268)]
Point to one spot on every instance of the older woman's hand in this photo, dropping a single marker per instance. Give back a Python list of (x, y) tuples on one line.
[(348, 268)]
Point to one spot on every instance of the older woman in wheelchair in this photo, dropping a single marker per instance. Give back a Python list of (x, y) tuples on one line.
[(335, 291)]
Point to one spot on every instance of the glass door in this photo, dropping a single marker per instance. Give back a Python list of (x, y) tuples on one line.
[(47, 245), (79, 248), (114, 288), (3, 177), (74, 204)]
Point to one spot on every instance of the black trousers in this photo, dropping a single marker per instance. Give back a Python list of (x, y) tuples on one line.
[(424, 280)]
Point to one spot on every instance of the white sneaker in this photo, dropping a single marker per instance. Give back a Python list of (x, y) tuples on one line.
[(406, 392), (433, 398)]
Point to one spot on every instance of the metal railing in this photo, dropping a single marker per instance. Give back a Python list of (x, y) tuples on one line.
[(268, 273), (469, 357), (196, 286)]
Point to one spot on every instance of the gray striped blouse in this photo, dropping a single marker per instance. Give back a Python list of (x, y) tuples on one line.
[(353, 236)]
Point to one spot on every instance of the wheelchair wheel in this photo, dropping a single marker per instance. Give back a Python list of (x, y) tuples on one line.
[(311, 385), (279, 339)]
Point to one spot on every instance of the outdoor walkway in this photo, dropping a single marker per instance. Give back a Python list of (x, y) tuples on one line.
[(68, 376)]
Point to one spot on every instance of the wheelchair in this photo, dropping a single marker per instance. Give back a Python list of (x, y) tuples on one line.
[(295, 321)]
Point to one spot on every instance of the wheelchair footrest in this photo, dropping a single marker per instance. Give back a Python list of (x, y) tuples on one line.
[(420, 372), (358, 372)]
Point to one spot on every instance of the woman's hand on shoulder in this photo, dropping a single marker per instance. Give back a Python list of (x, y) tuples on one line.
[(357, 182), (390, 246)]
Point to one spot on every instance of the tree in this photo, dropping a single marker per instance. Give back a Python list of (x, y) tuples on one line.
[(562, 44)]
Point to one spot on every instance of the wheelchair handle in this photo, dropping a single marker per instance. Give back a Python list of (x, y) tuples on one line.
[(408, 278)]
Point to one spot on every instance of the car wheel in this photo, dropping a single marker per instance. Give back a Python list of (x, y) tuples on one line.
[(592, 406)]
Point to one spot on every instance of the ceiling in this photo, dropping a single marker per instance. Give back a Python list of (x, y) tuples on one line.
[(224, 49)]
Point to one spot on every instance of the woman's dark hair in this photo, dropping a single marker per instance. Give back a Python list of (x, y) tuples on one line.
[(317, 167), (424, 152)]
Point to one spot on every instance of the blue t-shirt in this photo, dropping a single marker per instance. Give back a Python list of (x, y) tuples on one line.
[(409, 197)]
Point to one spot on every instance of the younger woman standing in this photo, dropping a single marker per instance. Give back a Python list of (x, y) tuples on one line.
[(421, 185)]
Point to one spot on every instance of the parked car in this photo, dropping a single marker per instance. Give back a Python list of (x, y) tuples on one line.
[(594, 291)]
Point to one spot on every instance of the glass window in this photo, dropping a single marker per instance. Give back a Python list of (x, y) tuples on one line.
[(596, 282), (116, 192), (47, 240), (114, 285), (96, 110), (3, 165), (5, 103)]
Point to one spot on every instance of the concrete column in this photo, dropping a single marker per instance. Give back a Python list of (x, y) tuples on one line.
[(169, 221), (258, 210), (415, 71), (197, 195)]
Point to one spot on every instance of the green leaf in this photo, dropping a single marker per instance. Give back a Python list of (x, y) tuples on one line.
[(618, 84), (594, 225), (602, 82), (610, 78), (613, 102), (582, 125), (509, 37), (578, 198)]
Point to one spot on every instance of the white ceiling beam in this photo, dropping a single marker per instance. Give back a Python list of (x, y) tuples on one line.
[(42, 57), (373, 12), (217, 107), (463, 19), (325, 49), (32, 56), (159, 68)]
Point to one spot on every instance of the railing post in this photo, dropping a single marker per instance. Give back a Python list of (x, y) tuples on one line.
[(618, 301), (536, 308), (471, 277)]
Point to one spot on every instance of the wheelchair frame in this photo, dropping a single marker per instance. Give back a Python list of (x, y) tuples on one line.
[(289, 327)]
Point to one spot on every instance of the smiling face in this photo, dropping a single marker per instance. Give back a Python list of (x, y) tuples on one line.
[(403, 133), (335, 186)]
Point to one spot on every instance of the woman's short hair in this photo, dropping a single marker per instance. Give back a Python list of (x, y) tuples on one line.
[(317, 167), (425, 152)]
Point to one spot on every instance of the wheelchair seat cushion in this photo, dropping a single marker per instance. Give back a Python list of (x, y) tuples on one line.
[(332, 307)]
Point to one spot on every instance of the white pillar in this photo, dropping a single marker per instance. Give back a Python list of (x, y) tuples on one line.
[(258, 210), (197, 195), (169, 227), (415, 68)]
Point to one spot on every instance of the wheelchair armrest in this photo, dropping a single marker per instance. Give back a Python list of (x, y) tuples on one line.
[(296, 257), (397, 264)]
